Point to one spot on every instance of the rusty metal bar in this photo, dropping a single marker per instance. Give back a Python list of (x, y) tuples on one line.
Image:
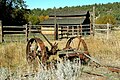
[(46, 39)]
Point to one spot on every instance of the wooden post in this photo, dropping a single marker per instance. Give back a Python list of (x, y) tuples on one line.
[(72, 30), (55, 28), (108, 25), (29, 28), (56, 32), (81, 30), (77, 30), (1, 32), (67, 32), (93, 20), (91, 29), (26, 32), (62, 31)]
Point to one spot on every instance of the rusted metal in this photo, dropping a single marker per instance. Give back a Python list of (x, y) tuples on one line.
[(83, 58), (113, 69), (46, 39), (39, 50), (42, 52)]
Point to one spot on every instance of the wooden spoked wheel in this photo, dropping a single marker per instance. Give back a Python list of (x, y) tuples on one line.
[(78, 44), (35, 52)]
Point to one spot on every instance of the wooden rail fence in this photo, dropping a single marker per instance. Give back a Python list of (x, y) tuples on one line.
[(66, 31), (58, 31), (103, 28)]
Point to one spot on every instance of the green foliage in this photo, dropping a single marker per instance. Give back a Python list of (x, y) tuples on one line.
[(13, 12), (42, 18), (106, 19)]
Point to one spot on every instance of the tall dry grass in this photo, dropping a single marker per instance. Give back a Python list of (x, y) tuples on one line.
[(12, 54)]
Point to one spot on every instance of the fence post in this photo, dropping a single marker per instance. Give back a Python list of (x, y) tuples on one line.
[(81, 30), (72, 30), (93, 20), (26, 32), (56, 32), (56, 28), (29, 28), (1, 32), (77, 30), (108, 25)]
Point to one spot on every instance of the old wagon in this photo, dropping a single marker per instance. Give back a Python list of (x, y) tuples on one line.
[(75, 48)]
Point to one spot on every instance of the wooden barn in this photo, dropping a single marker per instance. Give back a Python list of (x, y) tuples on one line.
[(70, 24)]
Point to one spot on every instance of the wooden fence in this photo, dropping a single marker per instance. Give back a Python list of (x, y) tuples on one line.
[(1, 32), (66, 31), (12, 31), (58, 31), (24, 31), (103, 28)]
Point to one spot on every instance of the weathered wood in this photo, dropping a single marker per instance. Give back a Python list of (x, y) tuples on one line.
[(67, 15), (93, 20), (21, 27), (103, 27), (72, 31), (26, 33), (100, 29), (1, 32), (55, 29), (56, 32), (14, 32), (81, 29), (45, 25), (78, 31)]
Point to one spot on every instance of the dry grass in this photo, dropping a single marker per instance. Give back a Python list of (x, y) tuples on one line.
[(13, 58), (12, 54)]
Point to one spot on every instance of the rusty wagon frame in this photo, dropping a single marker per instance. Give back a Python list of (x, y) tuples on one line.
[(36, 50), (41, 51)]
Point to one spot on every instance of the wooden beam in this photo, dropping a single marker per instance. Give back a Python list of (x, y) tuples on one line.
[(1, 32), (67, 15)]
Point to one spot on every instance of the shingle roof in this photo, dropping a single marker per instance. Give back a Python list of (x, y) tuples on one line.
[(64, 21), (68, 18)]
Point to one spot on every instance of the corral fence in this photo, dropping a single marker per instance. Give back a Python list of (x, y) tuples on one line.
[(13, 33), (55, 32), (52, 31), (68, 30), (60, 31), (103, 30)]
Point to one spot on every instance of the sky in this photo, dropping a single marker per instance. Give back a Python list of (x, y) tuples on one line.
[(45, 4)]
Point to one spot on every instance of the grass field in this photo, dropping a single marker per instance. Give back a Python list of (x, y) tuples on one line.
[(13, 63)]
